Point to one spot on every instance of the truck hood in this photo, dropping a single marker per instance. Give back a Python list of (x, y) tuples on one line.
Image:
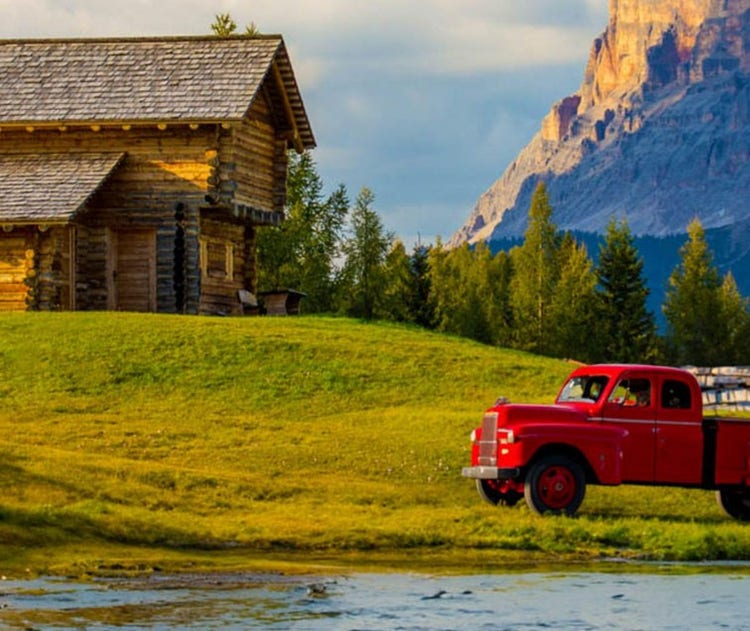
[(512, 413)]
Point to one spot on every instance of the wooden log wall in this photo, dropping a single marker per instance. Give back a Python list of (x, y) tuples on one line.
[(54, 283), (17, 254), (259, 161), (223, 269)]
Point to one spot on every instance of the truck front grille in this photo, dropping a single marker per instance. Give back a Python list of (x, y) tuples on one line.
[(488, 442)]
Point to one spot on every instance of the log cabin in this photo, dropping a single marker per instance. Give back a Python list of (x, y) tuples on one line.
[(134, 172)]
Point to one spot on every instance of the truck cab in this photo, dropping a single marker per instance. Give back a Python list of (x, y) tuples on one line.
[(610, 424), (660, 408)]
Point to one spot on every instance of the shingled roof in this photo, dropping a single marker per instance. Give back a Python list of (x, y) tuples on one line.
[(51, 188), (134, 80)]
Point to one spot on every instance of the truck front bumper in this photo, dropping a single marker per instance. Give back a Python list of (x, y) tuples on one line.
[(490, 473)]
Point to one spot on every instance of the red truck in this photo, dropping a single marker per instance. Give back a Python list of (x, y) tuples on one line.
[(611, 424)]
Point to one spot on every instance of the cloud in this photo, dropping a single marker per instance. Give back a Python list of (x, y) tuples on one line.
[(436, 37)]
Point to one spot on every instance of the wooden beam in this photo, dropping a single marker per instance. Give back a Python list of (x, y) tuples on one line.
[(296, 138)]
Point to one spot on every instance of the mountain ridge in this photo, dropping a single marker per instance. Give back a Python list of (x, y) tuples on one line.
[(658, 133)]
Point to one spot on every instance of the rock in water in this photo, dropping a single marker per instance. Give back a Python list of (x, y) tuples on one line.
[(659, 131)]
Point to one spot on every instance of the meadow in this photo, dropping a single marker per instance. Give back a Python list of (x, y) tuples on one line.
[(140, 443)]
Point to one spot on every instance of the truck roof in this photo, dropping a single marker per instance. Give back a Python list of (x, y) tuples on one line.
[(616, 369)]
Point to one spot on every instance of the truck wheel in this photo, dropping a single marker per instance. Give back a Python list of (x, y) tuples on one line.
[(555, 484), (490, 493), (735, 502)]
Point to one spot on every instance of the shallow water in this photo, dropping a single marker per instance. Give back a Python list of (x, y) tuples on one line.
[(517, 602)]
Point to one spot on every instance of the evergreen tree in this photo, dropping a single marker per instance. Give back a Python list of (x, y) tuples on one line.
[(497, 301), (223, 25), (398, 289), (572, 321), (421, 311), (252, 29), (736, 318), (301, 252), (365, 252), (626, 329), (536, 271), (469, 292), (696, 330)]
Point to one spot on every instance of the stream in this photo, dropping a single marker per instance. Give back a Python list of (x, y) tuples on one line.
[(698, 598)]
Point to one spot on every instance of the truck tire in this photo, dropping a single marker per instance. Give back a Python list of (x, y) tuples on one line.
[(555, 484), (735, 502), (489, 492)]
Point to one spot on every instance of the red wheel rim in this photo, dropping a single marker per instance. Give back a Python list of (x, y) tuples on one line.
[(556, 487)]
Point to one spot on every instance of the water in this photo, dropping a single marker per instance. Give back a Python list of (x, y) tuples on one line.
[(513, 602)]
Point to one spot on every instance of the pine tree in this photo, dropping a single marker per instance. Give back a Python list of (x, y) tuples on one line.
[(626, 329), (470, 292), (223, 25), (421, 310), (301, 252), (571, 318), (497, 302), (735, 316), (365, 251), (536, 271), (397, 292), (696, 333)]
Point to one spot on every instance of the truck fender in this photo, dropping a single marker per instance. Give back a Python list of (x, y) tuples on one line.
[(599, 450)]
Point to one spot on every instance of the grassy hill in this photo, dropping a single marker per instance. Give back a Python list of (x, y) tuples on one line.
[(135, 442)]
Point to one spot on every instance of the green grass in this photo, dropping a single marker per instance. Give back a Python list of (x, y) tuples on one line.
[(135, 442)]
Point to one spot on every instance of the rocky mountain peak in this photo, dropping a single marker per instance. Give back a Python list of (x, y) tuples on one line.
[(658, 131)]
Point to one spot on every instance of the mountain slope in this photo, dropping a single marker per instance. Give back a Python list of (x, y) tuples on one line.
[(659, 131)]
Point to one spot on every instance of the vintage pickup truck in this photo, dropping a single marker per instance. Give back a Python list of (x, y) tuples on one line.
[(611, 424)]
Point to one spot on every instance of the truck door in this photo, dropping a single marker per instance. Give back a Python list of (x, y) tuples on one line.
[(631, 405), (679, 436)]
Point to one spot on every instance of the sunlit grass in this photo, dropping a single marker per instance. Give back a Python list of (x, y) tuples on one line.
[(136, 441)]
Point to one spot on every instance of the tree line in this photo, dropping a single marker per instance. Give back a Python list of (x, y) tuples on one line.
[(544, 296)]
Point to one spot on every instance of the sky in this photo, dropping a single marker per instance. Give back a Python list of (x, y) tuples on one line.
[(424, 102)]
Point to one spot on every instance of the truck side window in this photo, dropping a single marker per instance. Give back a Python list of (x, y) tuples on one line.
[(632, 392), (675, 395)]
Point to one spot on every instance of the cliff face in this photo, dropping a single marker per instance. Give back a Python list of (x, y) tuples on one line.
[(659, 131)]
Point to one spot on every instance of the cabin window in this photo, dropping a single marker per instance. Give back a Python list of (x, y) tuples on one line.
[(675, 395), (217, 258)]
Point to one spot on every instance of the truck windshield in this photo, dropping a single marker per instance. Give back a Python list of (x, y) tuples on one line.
[(586, 388)]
